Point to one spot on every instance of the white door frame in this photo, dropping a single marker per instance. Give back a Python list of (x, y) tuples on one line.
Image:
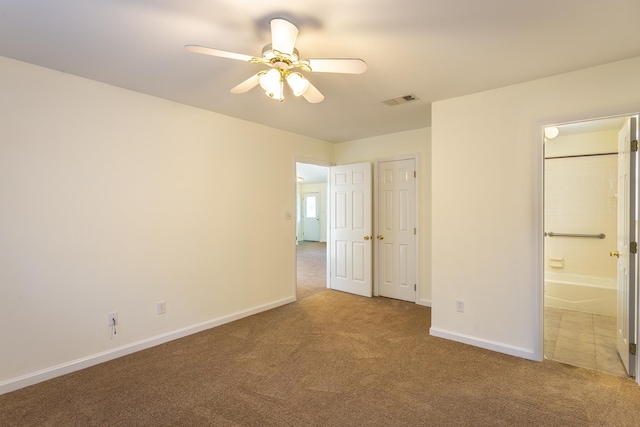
[(416, 160), (539, 216)]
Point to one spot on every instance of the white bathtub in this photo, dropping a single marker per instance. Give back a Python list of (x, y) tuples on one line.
[(581, 293)]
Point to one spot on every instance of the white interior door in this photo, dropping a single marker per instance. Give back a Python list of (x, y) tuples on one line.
[(396, 232), (350, 233), (626, 234), (311, 217)]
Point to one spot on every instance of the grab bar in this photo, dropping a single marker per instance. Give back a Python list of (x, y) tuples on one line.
[(596, 236)]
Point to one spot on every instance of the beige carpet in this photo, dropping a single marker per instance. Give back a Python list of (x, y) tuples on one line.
[(312, 269), (330, 359)]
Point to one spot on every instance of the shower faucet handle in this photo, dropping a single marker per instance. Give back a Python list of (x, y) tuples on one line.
[(615, 254)]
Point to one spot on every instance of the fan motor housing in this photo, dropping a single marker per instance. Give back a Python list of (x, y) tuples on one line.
[(270, 55)]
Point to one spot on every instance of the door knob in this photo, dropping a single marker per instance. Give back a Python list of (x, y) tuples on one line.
[(380, 237), (367, 237), (615, 254)]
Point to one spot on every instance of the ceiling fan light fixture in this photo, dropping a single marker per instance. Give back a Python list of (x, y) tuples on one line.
[(277, 94), (271, 82), (297, 83), (282, 57)]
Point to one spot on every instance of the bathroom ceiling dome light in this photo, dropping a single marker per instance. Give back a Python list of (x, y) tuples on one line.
[(551, 132)]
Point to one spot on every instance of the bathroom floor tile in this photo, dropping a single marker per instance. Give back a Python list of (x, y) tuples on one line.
[(584, 359), (610, 363), (577, 316), (604, 325), (550, 333), (575, 345), (552, 312), (599, 319), (573, 335), (582, 339), (607, 343), (576, 326), (553, 322), (548, 350), (604, 330), (549, 346), (576, 323)]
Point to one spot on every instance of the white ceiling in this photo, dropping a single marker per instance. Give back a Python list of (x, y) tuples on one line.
[(435, 49), (311, 174)]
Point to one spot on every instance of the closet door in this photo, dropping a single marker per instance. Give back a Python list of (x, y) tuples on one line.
[(396, 230), (350, 233)]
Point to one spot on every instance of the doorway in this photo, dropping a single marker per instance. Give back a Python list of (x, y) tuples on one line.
[(311, 229), (582, 201), (351, 235)]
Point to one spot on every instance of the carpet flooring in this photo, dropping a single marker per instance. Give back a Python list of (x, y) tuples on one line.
[(311, 269), (329, 359)]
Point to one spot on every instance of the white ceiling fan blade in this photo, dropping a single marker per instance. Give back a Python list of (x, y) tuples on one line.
[(347, 66), (283, 35), (312, 94), (248, 84), (216, 52)]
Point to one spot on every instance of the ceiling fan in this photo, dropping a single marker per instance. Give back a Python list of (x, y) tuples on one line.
[(283, 59)]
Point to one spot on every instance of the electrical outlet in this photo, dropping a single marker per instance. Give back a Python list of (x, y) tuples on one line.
[(162, 307), (460, 306), (112, 318)]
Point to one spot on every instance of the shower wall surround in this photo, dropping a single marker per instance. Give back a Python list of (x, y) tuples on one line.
[(581, 198)]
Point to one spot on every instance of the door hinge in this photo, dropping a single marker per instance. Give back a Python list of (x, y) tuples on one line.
[(633, 247), (632, 349), (415, 174), (414, 230), (414, 289), (634, 145)]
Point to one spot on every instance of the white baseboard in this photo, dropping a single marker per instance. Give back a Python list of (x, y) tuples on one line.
[(94, 359), (425, 302), (511, 350)]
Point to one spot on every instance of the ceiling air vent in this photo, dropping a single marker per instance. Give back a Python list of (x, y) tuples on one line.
[(400, 100)]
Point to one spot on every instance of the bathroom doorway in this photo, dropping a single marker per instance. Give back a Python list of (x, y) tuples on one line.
[(581, 297)]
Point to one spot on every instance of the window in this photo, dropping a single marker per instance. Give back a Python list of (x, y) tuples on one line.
[(311, 207)]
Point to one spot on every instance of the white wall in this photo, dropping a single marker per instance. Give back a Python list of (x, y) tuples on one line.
[(414, 142), (582, 143), (487, 200), (113, 200)]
